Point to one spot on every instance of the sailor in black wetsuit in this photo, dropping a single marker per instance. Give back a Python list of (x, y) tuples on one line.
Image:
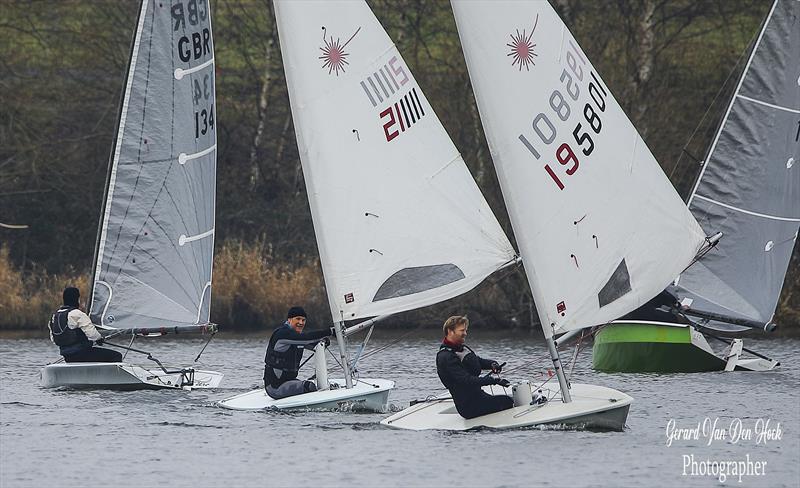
[(73, 332), (459, 369), (284, 353)]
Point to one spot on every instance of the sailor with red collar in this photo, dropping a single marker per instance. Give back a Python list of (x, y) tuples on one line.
[(459, 369)]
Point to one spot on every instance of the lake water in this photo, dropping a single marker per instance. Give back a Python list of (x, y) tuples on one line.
[(176, 438)]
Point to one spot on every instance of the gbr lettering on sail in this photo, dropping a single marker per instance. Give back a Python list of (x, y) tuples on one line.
[(568, 150), (190, 19)]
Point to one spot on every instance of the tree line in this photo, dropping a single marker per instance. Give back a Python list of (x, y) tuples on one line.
[(670, 63)]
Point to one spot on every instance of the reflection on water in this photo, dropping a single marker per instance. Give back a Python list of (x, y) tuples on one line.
[(173, 438)]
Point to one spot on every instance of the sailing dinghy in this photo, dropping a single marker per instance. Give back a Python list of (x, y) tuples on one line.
[(152, 270), (399, 221), (749, 188), (601, 230)]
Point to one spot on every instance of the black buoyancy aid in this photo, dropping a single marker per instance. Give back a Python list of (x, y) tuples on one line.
[(64, 336), (286, 360)]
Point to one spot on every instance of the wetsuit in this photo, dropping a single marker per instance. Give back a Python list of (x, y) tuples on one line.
[(282, 361), (459, 369)]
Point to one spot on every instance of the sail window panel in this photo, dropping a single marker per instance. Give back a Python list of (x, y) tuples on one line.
[(409, 281), (617, 286)]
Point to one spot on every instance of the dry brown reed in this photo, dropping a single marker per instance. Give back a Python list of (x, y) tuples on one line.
[(252, 288), (28, 299)]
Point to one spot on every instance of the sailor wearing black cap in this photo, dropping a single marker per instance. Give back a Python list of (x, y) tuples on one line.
[(284, 353), (75, 334)]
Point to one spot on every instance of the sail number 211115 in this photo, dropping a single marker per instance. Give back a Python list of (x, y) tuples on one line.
[(571, 78)]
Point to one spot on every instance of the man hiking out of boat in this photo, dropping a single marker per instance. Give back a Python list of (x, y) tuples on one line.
[(284, 353), (75, 334), (459, 369)]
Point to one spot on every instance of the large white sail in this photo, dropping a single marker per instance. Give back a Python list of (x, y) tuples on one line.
[(749, 187), (399, 221), (600, 228), (156, 242)]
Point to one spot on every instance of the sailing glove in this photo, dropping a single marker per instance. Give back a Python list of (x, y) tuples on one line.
[(502, 382), (99, 342), (496, 367)]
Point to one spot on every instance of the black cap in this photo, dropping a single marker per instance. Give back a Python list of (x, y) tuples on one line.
[(71, 296), (296, 312)]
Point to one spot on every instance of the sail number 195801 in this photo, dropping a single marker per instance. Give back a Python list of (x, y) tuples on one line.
[(546, 131)]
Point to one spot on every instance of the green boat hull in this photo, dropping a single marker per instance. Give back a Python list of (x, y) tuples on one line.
[(650, 348)]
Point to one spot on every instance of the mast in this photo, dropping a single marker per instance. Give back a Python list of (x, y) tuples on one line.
[(111, 157), (562, 378), (341, 339)]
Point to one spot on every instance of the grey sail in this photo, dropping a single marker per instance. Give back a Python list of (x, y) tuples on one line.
[(749, 187), (155, 246)]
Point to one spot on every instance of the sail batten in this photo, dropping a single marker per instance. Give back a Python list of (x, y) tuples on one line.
[(749, 187), (748, 212), (771, 105), (599, 226), (155, 249), (399, 221)]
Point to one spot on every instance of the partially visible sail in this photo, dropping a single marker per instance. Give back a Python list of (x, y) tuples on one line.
[(601, 230), (749, 187), (399, 221), (156, 241)]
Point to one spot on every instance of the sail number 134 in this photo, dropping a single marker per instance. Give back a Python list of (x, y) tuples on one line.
[(203, 121), (590, 122)]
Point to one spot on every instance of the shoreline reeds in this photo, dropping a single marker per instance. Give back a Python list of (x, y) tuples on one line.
[(251, 289)]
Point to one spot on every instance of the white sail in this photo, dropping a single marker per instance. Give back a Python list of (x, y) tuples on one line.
[(399, 221), (156, 242), (601, 230)]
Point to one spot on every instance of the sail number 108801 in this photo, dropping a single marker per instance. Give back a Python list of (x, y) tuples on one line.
[(568, 160)]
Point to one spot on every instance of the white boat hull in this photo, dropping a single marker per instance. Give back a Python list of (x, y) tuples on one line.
[(125, 376), (592, 408), (366, 395)]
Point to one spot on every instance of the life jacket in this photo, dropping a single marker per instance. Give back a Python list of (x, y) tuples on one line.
[(68, 340), (286, 360)]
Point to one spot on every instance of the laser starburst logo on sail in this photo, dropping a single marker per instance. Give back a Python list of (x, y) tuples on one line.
[(334, 57), (522, 48)]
